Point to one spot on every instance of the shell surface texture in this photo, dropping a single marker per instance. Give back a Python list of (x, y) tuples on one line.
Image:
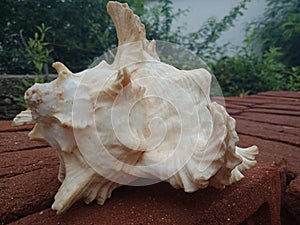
[(136, 118)]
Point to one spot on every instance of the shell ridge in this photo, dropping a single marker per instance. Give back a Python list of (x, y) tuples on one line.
[(137, 117)]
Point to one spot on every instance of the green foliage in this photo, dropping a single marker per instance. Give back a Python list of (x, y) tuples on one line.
[(270, 60), (39, 56), (23, 87), (159, 20), (203, 42), (242, 74), (250, 72), (82, 30), (292, 79), (280, 28), (276, 37), (37, 50)]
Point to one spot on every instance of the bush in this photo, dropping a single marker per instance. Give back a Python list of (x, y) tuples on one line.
[(247, 73), (280, 28), (270, 60), (82, 30)]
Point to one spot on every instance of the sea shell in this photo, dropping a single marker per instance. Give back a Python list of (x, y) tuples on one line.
[(135, 118)]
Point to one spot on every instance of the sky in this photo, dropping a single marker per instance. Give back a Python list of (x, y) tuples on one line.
[(201, 10)]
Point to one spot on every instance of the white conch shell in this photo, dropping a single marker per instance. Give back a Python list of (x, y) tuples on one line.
[(136, 118)]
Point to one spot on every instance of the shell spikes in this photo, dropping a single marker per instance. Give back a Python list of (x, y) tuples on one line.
[(136, 118)]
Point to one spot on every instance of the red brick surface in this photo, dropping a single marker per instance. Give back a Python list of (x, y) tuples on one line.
[(161, 204), (28, 177)]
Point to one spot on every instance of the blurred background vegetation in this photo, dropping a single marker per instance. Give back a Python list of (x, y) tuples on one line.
[(36, 33)]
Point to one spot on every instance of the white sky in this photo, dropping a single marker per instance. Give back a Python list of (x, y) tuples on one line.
[(200, 10)]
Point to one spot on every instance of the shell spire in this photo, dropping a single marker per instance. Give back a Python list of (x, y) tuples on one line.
[(131, 34), (128, 25)]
